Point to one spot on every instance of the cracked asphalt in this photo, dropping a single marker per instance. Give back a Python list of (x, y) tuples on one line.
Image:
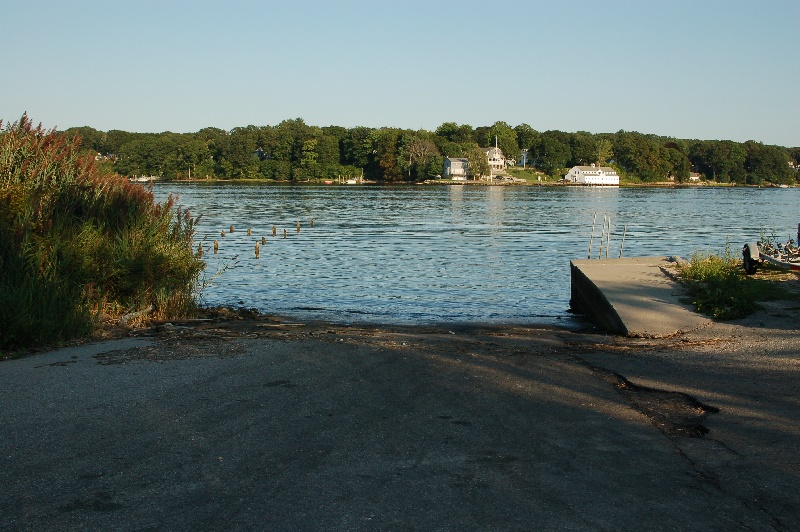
[(261, 424)]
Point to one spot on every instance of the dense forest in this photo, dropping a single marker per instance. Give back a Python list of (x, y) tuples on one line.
[(295, 151)]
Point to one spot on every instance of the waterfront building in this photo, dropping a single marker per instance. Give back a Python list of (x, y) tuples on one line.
[(592, 175), (455, 168), (497, 161)]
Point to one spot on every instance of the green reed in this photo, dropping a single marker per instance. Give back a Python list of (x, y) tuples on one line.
[(77, 244)]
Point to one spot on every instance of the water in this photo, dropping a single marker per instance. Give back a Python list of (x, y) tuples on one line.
[(450, 254)]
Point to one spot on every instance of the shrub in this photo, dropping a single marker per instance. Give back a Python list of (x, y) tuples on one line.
[(77, 243), (716, 285)]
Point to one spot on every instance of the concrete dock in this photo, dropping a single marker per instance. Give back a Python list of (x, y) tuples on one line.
[(631, 296)]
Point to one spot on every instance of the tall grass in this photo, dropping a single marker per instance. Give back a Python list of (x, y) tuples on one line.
[(76, 243), (718, 286)]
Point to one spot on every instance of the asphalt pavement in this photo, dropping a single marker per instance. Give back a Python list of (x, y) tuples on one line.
[(366, 428)]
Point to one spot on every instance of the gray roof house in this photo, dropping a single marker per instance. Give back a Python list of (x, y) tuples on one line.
[(455, 168)]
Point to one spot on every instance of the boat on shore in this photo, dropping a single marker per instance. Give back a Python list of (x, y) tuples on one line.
[(756, 254)]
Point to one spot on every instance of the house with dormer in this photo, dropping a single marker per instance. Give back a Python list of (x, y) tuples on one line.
[(497, 161), (592, 175)]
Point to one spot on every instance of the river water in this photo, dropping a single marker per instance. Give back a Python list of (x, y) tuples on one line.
[(450, 254)]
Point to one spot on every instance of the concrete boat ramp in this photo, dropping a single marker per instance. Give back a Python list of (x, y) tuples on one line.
[(632, 297)]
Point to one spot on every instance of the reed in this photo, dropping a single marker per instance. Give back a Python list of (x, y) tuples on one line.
[(77, 244)]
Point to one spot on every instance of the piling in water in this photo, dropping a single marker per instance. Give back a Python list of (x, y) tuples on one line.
[(285, 233), (258, 250), (274, 230), (216, 247), (263, 241), (249, 232), (231, 229)]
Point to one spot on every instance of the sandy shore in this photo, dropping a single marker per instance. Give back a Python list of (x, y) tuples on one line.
[(256, 423)]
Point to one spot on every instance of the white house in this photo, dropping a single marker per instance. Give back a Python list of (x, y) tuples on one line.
[(455, 168), (497, 162), (592, 175)]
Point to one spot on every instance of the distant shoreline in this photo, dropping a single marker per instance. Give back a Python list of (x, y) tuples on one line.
[(442, 182)]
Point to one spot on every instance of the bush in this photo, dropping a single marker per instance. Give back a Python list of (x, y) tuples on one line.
[(717, 285), (77, 243)]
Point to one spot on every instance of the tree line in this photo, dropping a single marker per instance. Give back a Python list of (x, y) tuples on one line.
[(296, 151)]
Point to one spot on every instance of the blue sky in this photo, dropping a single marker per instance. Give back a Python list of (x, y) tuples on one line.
[(707, 69)]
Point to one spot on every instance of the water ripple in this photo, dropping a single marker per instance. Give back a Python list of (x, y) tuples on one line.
[(449, 254)]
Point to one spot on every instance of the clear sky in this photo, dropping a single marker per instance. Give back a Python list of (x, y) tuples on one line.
[(706, 69)]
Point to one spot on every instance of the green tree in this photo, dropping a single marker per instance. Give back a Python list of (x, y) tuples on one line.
[(506, 138), (605, 151), (478, 164), (308, 161), (416, 157), (237, 153), (584, 149), (526, 136), (551, 152), (483, 136), (767, 164), (640, 155), (677, 162), (358, 147), (719, 160), (386, 152), (455, 133)]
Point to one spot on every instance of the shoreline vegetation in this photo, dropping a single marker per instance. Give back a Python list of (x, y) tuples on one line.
[(82, 247), (296, 152), (447, 182)]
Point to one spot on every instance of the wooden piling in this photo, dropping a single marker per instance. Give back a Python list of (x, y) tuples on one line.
[(798, 226), (216, 247), (258, 250), (298, 226), (285, 233), (274, 230), (249, 232), (200, 249), (231, 229), (263, 241)]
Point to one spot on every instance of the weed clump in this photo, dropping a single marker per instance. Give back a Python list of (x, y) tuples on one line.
[(716, 285), (77, 244)]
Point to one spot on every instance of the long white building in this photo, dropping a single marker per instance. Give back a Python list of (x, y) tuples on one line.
[(592, 175)]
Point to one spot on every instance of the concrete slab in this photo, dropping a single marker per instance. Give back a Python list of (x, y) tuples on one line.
[(631, 296)]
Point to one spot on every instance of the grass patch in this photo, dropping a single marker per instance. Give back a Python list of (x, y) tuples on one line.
[(528, 175), (718, 286)]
